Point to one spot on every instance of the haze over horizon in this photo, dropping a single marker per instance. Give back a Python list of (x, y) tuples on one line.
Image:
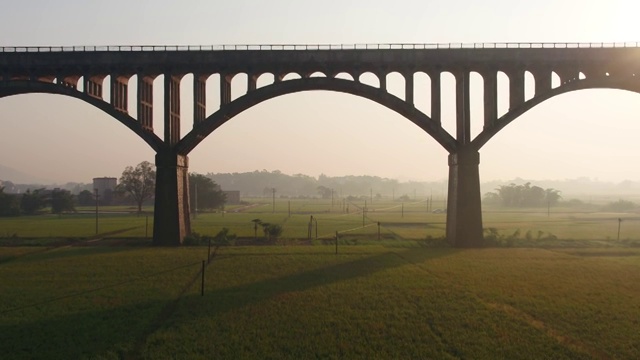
[(590, 133)]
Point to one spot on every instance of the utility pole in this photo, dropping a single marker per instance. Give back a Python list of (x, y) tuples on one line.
[(274, 199), (195, 213), (619, 223), (430, 199), (97, 197)]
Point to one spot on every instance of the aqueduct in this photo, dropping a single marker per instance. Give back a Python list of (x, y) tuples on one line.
[(80, 72)]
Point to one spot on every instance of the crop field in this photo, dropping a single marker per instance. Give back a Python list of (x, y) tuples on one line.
[(293, 302)]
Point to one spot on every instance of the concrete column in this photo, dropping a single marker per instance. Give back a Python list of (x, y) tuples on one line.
[(383, 81), (543, 81), (490, 80), (120, 93), (436, 97), (93, 86), (252, 81), (463, 108), (408, 88), (464, 207), (516, 88), (225, 89), (171, 109), (145, 102), (171, 221), (199, 99)]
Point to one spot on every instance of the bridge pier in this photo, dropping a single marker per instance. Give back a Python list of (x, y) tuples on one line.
[(464, 207), (171, 221)]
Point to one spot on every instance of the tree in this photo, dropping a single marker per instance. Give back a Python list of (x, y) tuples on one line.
[(552, 196), (208, 196), (139, 182), (9, 204), (85, 198), (61, 200), (513, 195), (325, 192), (271, 231), (32, 202), (256, 222)]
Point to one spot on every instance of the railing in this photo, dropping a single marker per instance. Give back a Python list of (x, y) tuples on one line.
[(139, 48)]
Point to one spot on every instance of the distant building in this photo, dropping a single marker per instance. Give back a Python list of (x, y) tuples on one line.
[(105, 183), (233, 197)]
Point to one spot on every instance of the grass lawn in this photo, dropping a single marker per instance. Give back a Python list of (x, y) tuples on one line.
[(306, 302)]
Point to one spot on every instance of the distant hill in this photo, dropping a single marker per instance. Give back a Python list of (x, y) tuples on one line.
[(19, 177)]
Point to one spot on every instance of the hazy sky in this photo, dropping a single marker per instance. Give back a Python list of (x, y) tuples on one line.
[(591, 133)]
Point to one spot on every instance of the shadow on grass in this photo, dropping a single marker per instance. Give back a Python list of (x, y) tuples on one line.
[(119, 332), (230, 298), (107, 333), (69, 252)]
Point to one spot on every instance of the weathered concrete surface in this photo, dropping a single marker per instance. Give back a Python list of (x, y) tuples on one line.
[(171, 220), (464, 207)]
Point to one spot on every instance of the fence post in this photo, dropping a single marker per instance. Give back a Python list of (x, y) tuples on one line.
[(202, 286), (336, 243)]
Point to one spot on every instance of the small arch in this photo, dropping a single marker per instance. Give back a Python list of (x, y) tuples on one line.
[(422, 92), (448, 101), (291, 76), (369, 78), (556, 81), (476, 86), (239, 85), (504, 93), (318, 74), (213, 94), (158, 101), (344, 76), (529, 85), (396, 85), (186, 103), (265, 79)]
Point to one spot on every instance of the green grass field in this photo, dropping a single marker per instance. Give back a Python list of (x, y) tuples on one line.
[(398, 222), (293, 302)]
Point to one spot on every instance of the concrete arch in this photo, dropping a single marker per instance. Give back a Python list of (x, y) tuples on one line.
[(630, 83), (193, 138), (21, 87)]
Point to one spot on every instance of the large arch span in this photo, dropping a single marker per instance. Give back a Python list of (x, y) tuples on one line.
[(22, 87), (255, 97), (627, 83)]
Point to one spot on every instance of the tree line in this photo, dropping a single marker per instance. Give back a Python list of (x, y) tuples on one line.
[(526, 195), (261, 183), (136, 186)]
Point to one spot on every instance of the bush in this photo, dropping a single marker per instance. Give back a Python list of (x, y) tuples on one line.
[(620, 206), (193, 239), (222, 238)]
